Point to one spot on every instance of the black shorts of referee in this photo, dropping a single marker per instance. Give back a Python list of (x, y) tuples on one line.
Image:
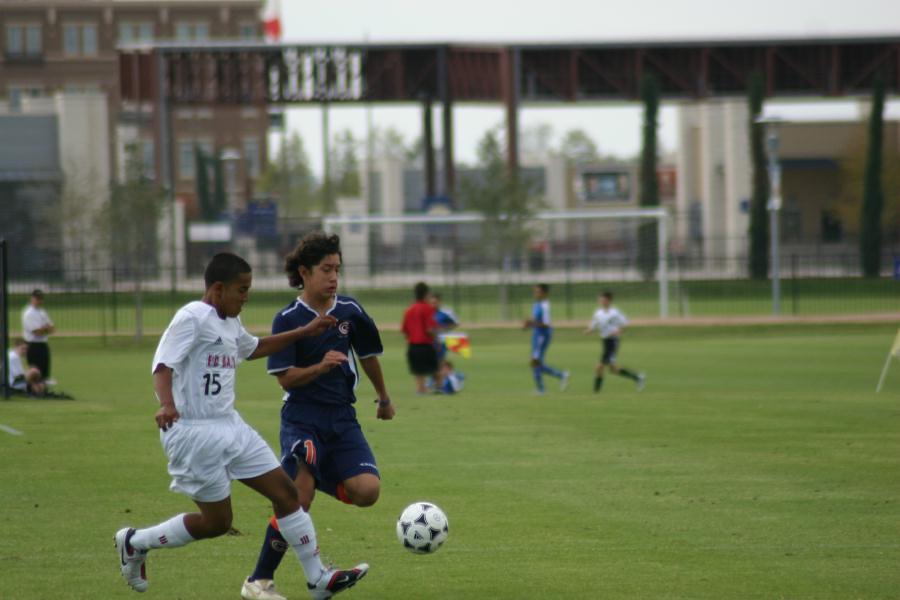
[(422, 359)]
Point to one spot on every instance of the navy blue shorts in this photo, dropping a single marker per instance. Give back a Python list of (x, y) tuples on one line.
[(328, 438), (610, 350)]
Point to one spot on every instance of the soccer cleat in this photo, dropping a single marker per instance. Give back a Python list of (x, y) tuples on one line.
[(564, 381), (333, 581), (131, 561), (641, 382), (260, 589)]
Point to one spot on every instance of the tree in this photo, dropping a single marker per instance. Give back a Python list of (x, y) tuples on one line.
[(873, 194), (579, 148), (212, 201), (389, 143), (759, 196), (847, 206), (344, 166), (535, 142), (130, 219), (289, 179), (648, 245), (507, 204)]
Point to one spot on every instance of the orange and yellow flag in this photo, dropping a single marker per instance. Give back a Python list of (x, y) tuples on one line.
[(459, 343)]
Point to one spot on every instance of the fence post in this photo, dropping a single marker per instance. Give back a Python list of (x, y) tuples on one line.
[(794, 284), (4, 318), (103, 317), (138, 307), (568, 289), (456, 298), (115, 307)]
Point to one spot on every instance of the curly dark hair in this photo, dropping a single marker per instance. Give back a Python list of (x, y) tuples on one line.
[(310, 251)]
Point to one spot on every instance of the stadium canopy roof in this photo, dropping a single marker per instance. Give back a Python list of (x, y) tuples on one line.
[(291, 73)]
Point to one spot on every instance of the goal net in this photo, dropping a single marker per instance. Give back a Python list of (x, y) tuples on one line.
[(467, 249)]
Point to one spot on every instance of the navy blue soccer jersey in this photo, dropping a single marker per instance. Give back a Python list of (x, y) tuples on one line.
[(355, 335)]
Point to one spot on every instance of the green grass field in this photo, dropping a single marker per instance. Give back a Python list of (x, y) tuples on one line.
[(757, 464)]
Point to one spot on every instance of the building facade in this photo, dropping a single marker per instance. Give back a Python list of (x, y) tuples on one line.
[(70, 46)]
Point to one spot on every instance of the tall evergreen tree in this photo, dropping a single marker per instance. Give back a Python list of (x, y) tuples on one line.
[(873, 194), (648, 245), (759, 223)]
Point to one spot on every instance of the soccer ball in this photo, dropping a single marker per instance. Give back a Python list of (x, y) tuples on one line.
[(422, 527)]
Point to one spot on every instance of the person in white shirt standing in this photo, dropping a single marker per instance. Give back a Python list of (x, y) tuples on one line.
[(36, 328), (610, 322), (208, 444)]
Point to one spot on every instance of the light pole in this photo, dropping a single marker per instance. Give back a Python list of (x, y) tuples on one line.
[(774, 206)]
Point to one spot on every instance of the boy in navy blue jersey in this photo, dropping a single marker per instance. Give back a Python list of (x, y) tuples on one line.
[(322, 444)]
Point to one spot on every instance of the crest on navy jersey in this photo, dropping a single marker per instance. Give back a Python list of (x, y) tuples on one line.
[(344, 327)]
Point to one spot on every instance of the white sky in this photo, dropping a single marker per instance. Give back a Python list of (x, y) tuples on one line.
[(616, 128)]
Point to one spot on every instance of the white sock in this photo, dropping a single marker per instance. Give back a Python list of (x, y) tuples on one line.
[(169, 534), (297, 530)]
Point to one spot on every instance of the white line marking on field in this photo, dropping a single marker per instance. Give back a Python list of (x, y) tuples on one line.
[(10, 430)]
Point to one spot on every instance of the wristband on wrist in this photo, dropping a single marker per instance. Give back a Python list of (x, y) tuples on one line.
[(383, 403)]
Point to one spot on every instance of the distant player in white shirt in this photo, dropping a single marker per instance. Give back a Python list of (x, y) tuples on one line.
[(610, 322), (206, 441), (23, 379)]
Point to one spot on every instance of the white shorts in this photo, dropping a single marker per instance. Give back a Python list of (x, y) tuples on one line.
[(205, 455)]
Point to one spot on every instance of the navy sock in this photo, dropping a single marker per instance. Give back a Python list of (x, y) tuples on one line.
[(598, 383), (551, 371), (538, 378), (628, 374), (270, 555)]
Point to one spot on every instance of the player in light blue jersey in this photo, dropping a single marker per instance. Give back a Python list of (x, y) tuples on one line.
[(542, 333)]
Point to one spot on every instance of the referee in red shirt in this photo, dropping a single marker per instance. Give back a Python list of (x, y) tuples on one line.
[(420, 329)]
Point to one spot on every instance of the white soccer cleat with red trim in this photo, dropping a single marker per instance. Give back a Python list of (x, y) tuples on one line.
[(333, 581), (131, 561)]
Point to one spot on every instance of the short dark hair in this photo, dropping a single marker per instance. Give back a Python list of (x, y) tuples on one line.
[(607, 294), (225, 267), (543, 287), (421, 290), (37, 293), (310, 251)]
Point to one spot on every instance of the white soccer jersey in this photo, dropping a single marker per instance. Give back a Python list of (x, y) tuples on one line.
[(16, 370), (32, 319), (203, 350), (608, 321)]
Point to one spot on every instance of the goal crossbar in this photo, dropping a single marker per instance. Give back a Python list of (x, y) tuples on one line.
[(651, 214)]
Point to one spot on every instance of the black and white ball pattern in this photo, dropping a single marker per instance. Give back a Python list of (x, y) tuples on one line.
[(422, 527)]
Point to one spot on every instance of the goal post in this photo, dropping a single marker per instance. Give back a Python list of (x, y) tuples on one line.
[(353, 224)]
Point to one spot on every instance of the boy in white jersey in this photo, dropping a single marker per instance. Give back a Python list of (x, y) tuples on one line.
[(610, 322), (206, 441)]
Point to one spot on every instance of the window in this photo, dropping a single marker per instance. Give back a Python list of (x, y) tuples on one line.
[(191, 31), (187, 162), (15, 94), (251, 157), (24, 39), (80, 39), (131, 33), (148, 159), (89, 40), (186, 166), (247, 30), (70, 40)]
